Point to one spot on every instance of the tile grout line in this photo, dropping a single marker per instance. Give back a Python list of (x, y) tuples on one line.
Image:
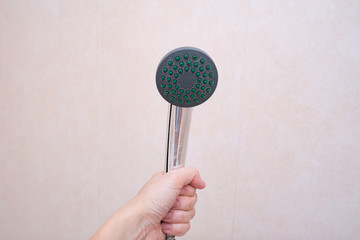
[(100, 118), (239, 140)]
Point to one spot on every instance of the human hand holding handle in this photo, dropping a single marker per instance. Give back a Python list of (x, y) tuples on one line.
[(165, 205)]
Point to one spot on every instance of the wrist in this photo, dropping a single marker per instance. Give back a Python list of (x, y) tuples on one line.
[(130, 220), (126, 223), (134, 219)]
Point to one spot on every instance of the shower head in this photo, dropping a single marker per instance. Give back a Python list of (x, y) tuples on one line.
[(186, 77)]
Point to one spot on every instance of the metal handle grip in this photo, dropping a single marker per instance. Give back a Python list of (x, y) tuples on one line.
[(178, 132)]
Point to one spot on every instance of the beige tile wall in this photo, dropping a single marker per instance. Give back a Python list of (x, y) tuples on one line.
[(82, 125)]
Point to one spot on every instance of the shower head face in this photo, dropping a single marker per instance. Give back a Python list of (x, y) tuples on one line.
[(186, 77)]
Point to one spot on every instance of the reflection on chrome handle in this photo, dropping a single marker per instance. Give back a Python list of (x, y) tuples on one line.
[(178, 132)]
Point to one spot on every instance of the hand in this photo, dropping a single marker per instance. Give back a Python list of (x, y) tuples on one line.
[(171, 198), (165, 205)]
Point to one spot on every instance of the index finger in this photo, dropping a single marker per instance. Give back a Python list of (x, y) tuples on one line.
[(189, 176)]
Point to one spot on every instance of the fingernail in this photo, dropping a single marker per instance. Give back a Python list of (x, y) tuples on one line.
[(166, 226)]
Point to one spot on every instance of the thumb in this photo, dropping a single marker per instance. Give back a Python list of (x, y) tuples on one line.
[(189, 176)]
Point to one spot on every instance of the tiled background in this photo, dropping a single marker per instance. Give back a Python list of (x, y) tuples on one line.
[(82, 125)]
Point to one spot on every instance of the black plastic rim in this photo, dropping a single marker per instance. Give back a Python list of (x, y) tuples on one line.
[(186, 77)]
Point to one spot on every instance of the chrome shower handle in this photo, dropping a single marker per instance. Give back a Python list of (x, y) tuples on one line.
[(178, 131), (177, 137)]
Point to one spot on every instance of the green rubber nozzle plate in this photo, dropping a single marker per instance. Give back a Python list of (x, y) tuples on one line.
[(186, 77)]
